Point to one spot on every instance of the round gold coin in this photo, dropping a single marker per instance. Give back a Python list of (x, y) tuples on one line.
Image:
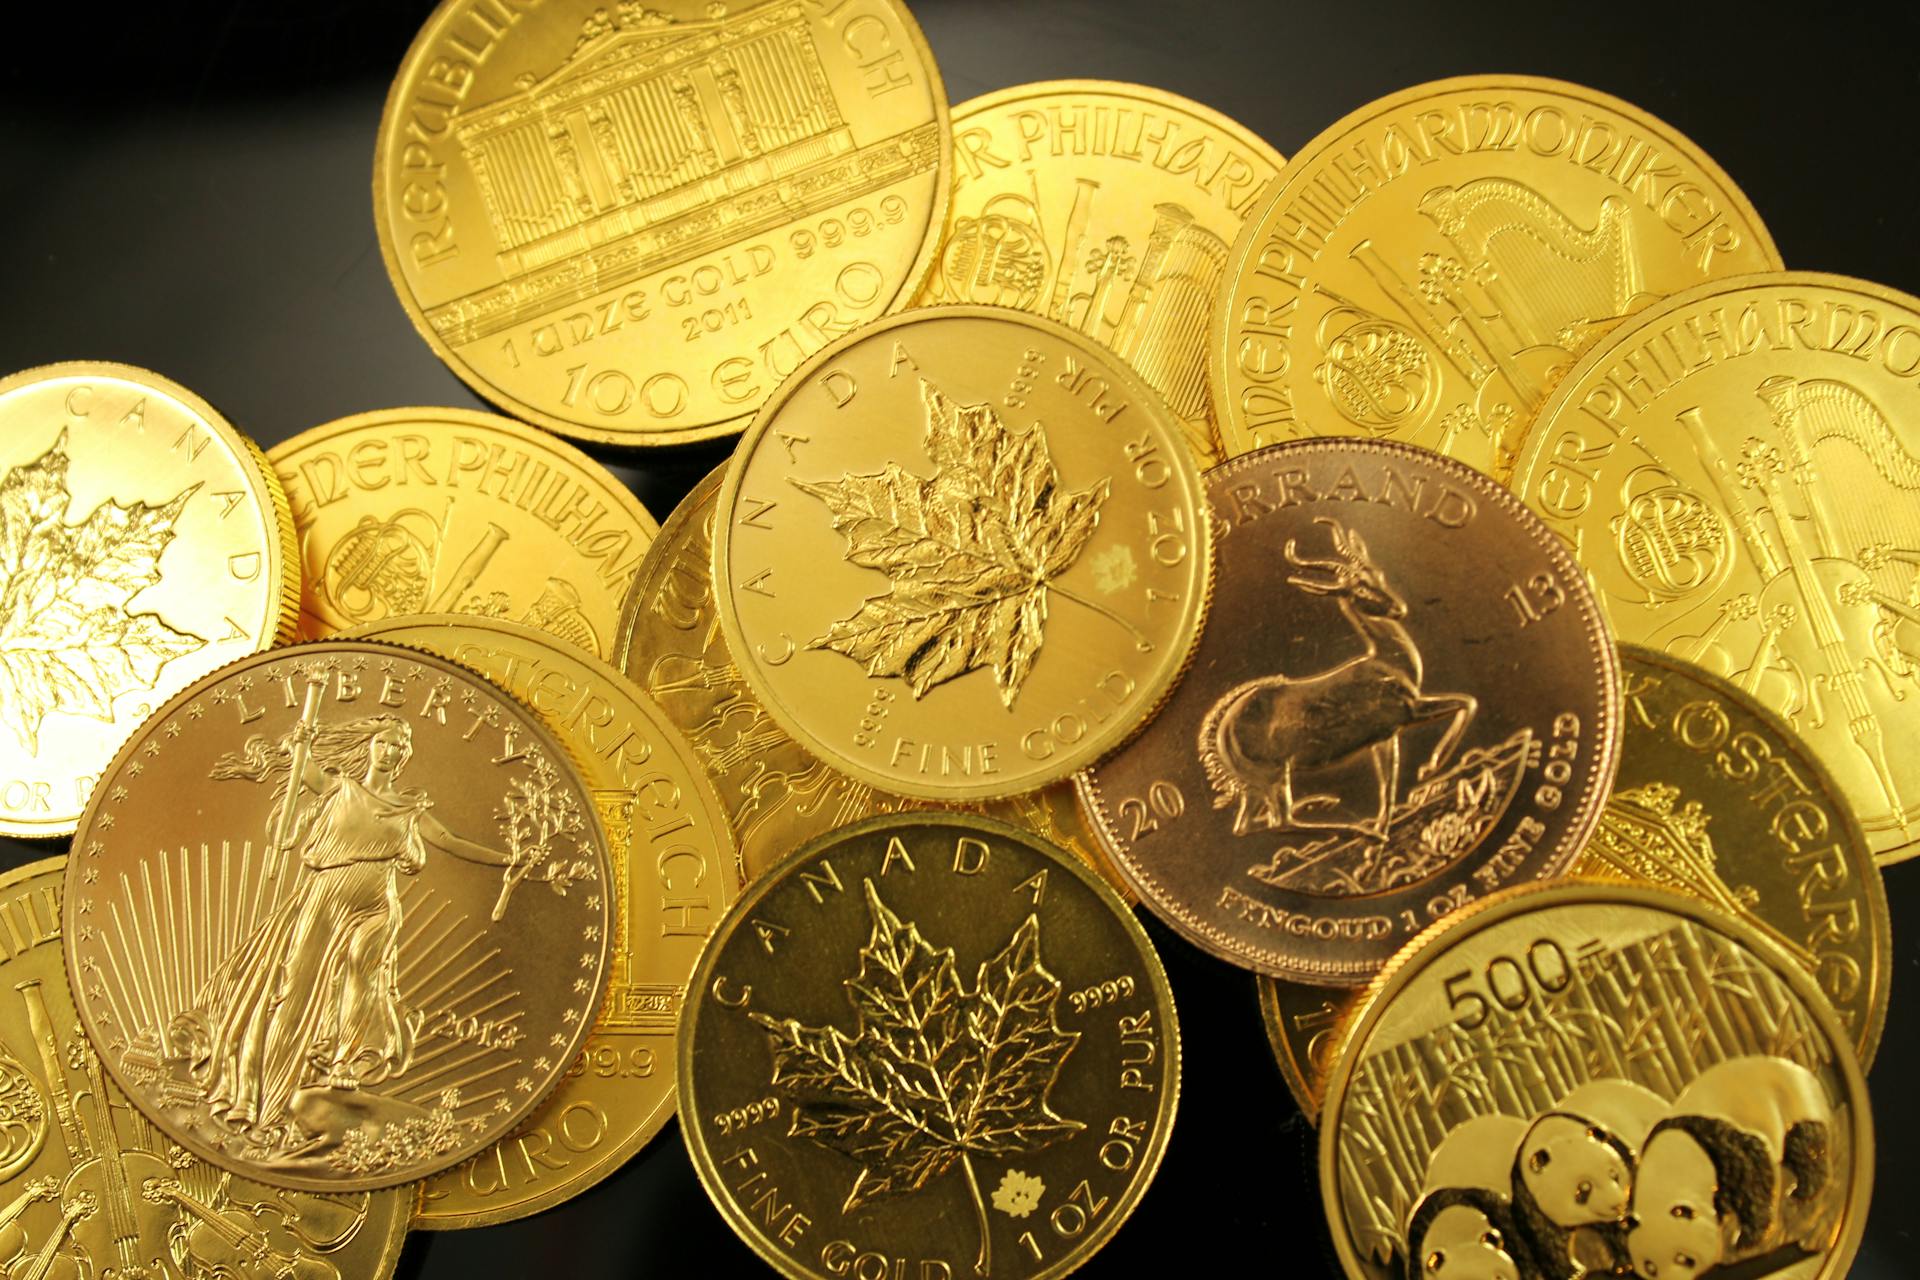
[(777, 797), (1738, 471), (1432, 263), (1714, 798), (143, 542), (675, 869), (337, 916), (1596, 1080), (1108, 207), (89, 1188), (1406, 699), (962, 553), (627, 223), (408, 511), (927, 1045)]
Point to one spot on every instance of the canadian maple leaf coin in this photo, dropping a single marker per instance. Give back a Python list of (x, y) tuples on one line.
[(143, 542), (962, 553), (928, 1036)]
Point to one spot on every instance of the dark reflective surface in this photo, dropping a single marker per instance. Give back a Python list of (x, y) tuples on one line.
[(186, 188)]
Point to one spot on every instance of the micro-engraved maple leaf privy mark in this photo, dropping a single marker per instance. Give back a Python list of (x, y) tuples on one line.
[(68, 641), (971, 550), (935, 1074)]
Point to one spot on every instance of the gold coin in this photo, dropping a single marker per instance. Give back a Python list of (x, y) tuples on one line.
[(1596, 1080), (143, 542), (408, 511), (1406, 699), (1738, 472), (337, 916), (1714, 798), (962, 553), (675, 870), (998, 1096), (89, 1188), (627, 223), (1108, 207), (1432, 263), (777, 797)]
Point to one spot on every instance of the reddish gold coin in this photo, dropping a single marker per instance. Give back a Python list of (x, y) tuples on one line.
[(1406, 700)]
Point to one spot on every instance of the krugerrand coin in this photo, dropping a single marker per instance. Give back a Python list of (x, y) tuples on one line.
[(1740, 473), (627, 223), (931, 1046), (777, 797), (89, 1188), (1108, 207), (1596, 1080), (1431, 264), (1714, 798), (1406, 700), (962, 553), (675, 869), (337, 916), (408, 511), (143, 542)]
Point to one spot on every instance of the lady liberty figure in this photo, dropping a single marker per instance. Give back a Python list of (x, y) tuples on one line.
[(311, 1000)]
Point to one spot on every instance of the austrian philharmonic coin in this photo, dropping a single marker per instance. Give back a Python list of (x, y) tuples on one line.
[(1714, 798), (89, 1188), (143, 542), (776, 796), (338, 915), (1740, 473), (627, 223), (408, 511), (1406, 700), (928, 1045), (675, 869), (962, 553), (1108, 207), (1596, 1080), (1431, 264)]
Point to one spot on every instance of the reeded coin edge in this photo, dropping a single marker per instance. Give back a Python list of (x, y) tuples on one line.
[(740, 912), (283, 550), (1519, 900), (540, 734), (416, 56), (1201, 542), (1279, 964)]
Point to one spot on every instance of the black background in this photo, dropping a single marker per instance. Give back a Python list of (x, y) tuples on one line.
[(186, 187)]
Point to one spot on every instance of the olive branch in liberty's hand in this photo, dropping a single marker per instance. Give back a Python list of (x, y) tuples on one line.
[(538, 817)]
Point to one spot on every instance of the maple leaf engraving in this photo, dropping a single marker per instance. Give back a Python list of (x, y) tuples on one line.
[(935, 1074), (67, 639), (971, 550)]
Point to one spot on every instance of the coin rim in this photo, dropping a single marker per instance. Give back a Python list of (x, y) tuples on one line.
[(1220, 329), (1166, 1110), (1093, 747), (1528, 454), (385, 136), (282, 543), (1438, 940), (1348, 974), (83, 1009), (403, 630), (589, 468), (1874, 885)]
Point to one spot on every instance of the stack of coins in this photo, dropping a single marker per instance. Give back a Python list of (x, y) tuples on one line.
[(1456, 574)]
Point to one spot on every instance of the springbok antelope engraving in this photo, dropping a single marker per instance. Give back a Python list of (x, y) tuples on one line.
[(1259, 732)]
